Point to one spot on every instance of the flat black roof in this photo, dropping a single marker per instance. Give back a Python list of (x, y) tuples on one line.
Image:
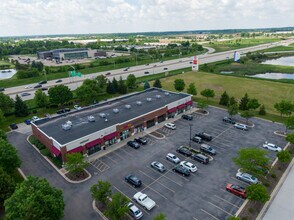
[(81, 127)]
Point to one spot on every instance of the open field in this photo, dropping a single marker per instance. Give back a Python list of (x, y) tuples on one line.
[(279, 48), (267, 92)]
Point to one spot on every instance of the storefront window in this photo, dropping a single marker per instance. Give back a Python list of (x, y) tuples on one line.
[(161, 118), (124, 134), (139, 128), (111, 141), (94, 149), (150, 123)]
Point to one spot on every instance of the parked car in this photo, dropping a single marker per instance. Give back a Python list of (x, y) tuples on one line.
[(133, 144), (173, 158), (35, 118), (236, 190), (181, 170), (197, 139), (241, 126), (58, 81), (188, 165), (158, 166), (27, 121), (144, 200), (187, 117), (61, 111), (134, 211), (207, 149), (200, 158), (13, 126), (133, 180), (271, 146), (229, 120), (25, 94), (37, 86), (2, 89), (204, 136), (77, 107), (42, 82), (140, 140), (246, 177), (185, 151), (170, 126)]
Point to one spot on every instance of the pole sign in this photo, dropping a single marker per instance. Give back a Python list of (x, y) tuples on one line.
[(195, 63), (237, 56)]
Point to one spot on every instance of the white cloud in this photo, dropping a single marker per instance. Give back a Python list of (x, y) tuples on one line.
[(29, 17)]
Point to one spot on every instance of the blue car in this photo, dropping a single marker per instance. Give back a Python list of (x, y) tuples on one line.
[(27, 121)]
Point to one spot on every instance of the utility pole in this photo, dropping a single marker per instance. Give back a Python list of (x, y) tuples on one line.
[(190, 125)]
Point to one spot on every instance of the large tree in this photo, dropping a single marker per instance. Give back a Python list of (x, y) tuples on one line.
[(131, 81), (146, 85), (20, 108), (122, 87), (2, 117), (6, 103), (253, 104), (7, 186), (3, 135), (225, 99), (207, 93), (117, 208), (86, 94), (34, 198), (101, 82), (75, 163), (262, 110), (60, 94), (289, 123), (257, 192), (110, 88), (244, 102), (247, 114), (101, 191), (284, 107), (290, 138), (179, 85), (192, 89), (115, 84), (157, 83), (233, 101), (233, 110), (41, 99), (9, 158)]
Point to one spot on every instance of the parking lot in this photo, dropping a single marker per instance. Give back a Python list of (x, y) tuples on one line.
[(202, 195)]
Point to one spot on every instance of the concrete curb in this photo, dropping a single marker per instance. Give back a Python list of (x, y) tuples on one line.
[(278, 134), (58, 170), (198, 113), (22, 174), (157, 137), (98, 211)]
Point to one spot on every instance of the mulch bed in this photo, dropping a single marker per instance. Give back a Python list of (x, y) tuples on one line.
[(77, 177), (102, 208), (201, 111), (252, 209)]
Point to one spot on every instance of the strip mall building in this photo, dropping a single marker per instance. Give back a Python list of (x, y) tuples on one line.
[(102, 125)]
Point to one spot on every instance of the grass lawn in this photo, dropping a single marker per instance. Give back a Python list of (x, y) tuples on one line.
[(4, 63), (279, 48), (267, 92)]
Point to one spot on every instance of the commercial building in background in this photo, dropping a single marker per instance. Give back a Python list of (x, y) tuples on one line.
[(102, 125), (70, 53)]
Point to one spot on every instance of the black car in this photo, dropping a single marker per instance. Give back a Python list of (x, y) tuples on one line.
[(43, 82), (200, 158), (61, 111), (165, 68), (141, 140), (133, 144), (187, 117), (182, 170), (207, 149), (44, 88), (2, 89), (229, 120), (185, 151), (146, 72), (204, 136), (13, 126), (37, 86), (133, 180), (58, 81), (197, 139)]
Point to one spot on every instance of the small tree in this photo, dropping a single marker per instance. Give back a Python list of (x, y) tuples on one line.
[(262, 110), (284, 156), (110, 88), (247, 114), (289, 123), (284, 107), (253, 104), (117, 208), (41, 99), (290, 138), (115, 84), (244, 102), (9, 158), (6, 103), (257, 192), (202, 104), (131, 81), (160, 216), (225, 99), (101, 191), (146, 85), (232, 101), (2, 117), (179, 85), (7, 186), (75, 163), (192, 89), (122, 88), (208, 93), (3, 135), (21, 109), (233, 110), (101, 81), (157, 83)]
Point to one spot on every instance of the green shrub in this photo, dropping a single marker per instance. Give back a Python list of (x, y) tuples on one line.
[(45, 152), (273, 175), (266, 184), (251, 210), (57, 162)]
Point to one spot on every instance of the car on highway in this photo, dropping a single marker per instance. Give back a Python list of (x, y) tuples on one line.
[(144, 200), (204, 136), (170, 126), (246, 177), (108, 74), (25, 94), (185, 151), (158, 166), (200, 158), (272, 147), (140, 140), (58, 81), (197, 139), (13, 126), (126, 69), (28, 86), (2, 89), (207, 149), (188, 165), (187, 117), (173, 158), (241, 126), (44, 88), (229, 120), (134, 211), (133, 180), (165, 68), (133, 144), (37, 86), (146, 72), (236, 190), (181, 170), (77, 107), (147, 64), (42, 82)]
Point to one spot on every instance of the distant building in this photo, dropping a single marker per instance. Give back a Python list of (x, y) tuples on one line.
[(67, 53)]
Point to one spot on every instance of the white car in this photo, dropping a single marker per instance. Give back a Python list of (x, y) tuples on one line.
[(77, 107), (246, 177), (135, 211), (241, 126), (173, 158), (170, 126), (189, 166), (144, 200), (28, 87), (271, 146), (35, 118)]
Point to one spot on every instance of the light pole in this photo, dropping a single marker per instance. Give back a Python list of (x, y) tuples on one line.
[(44, 71), (190, 125)]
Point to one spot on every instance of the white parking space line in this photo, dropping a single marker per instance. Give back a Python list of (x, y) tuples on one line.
[(184, 178), (226, 201), (209, 214), (195, 218), (220, 208), (221, 133), (126, 152), (148, 187), (111, 159), (118, 155)]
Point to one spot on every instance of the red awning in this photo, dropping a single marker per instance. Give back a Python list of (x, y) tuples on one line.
[(93, 143), (189, 103), (76, 150), (110, 136), (181, 106), (55, 151), (172, 110)]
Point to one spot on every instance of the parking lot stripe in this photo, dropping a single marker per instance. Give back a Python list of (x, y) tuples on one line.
[(163, 175), (220, 208), (118, 155), (221, 133), (227, 201), (126, 152), (148, 187), (195, 218), (111, 159), (209, 214)]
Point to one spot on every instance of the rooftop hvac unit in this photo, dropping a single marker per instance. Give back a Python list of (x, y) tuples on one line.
[(67, 125), (102, 115), (127, 106), (139, 103), (167, 93), (91, 118), (158, 96), (149, 99), (115, 110)]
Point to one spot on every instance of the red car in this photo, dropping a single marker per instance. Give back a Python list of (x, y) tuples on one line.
[(237, 190)]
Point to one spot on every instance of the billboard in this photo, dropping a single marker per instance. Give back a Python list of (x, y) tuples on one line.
[(195, 64), (237, 56)]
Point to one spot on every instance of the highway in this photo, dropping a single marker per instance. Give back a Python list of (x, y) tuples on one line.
[(152, 68)]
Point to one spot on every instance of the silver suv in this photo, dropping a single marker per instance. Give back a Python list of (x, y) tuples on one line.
[(173, 158)]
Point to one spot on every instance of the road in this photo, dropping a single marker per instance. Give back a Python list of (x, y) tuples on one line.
[(153, 68)]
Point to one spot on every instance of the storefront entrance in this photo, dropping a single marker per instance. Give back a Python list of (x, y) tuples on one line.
[(139, 128), (93, 149), (161, 118), (125, 134), (150, 123)]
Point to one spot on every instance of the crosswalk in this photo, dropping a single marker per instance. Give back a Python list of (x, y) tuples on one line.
[(100, 165)]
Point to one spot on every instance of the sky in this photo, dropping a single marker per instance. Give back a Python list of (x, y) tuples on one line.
[(42, 17)]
